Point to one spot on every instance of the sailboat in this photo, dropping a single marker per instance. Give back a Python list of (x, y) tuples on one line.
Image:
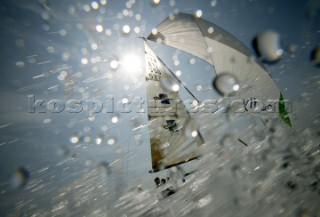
[(209, 42)]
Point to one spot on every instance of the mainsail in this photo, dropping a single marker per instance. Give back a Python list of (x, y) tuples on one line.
[(167, 116), (227, 54)]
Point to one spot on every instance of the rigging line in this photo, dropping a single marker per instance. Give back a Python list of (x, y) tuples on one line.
[(240, 140)]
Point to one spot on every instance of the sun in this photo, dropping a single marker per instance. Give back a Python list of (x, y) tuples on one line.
[(131, 63)]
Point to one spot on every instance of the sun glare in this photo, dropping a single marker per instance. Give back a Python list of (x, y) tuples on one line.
[(131, 63)]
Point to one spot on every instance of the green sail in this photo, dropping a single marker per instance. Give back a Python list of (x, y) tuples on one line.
[(283, 111)]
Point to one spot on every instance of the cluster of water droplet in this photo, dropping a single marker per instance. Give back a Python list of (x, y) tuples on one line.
[(229, 179), (226, 84), (268, 45)]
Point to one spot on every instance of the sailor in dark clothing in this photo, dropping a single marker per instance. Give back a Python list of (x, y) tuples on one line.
[(157, 181), (163, 181)]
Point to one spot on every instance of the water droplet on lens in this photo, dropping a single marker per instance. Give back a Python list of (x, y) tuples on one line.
[(178, 73), (176, 62), (87, 139), (199, 87), (103, 2), (268, 45), (137, 29), (63, 32), (114, 64), (99, 28), (20, 178), (20, 64), (175, 87), (94, 5), (213, 3), (191, 128), (176, 174), (63, 151), (198, 14), (98, 141), (125, 100), (84, 61), (92, 118), (126, 29), (74, 139), (50, 49), (154, 31), (315, 56), (115, 119), (228, 141), (210, 30), (169, 82), (108, 32), (138, 17), (104, 169), (47, 121), (155, 2), (86, 8), (226, 84), (111, 141), (65, 56)]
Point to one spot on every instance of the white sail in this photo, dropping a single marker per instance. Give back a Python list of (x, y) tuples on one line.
[(227, 54), (167, 116)]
